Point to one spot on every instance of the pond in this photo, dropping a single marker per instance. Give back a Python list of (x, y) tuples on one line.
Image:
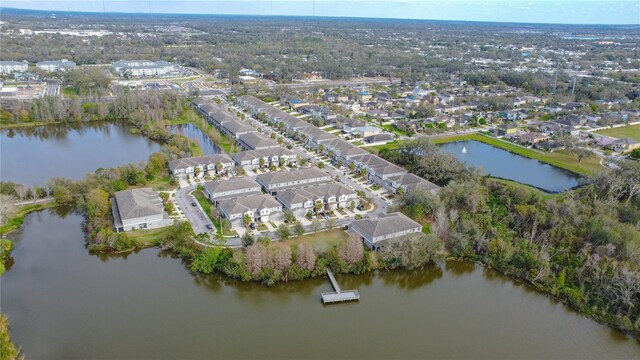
[(503, 164), (64, 303), (194, 133), (34, 155)]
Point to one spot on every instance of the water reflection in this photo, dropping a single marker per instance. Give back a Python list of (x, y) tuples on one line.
[(194, 133), (503, 164), (68, 151)]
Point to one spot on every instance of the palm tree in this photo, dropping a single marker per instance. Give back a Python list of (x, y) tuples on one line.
[(246, 219)]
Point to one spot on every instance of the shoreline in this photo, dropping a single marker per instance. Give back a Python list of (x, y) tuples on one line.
[(320, 274)]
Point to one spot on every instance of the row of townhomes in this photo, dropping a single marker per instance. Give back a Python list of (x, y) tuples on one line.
[(252, 159), (215, 164), (326, 196), (380, 171)]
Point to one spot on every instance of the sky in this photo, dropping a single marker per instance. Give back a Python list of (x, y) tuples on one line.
[(527, 11)]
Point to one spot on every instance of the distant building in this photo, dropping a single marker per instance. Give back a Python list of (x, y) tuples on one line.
[(7, 67), (329, 196), (56, 65), (375, 232), (138, 209), (142, 68)]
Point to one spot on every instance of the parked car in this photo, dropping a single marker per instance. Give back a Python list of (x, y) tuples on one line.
[(193, 203), (252, 226), (209, 226)]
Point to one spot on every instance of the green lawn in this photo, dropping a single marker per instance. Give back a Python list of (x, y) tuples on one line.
[(148, 237), (321, 241), (206, 205), (632, 132), (395, 130), (69, 91)]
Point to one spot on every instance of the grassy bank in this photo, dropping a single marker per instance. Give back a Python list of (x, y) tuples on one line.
[(18, 219), (4, 125), (632, 132)]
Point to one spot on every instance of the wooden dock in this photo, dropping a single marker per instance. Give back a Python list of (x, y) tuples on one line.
[(338, 295)]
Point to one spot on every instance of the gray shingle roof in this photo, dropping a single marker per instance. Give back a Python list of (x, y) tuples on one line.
[(136, 203), (385, 225)]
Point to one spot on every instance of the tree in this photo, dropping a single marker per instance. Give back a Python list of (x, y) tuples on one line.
[(352, 166), (298, 228), (7, 207), (289, 216), (261, 162), (318, 206), (256, 257), (247, 239), (246, 219), (411, 251), (351, 251), (280, 256), (308, 215), (306, 257), (320, 164), (283, 232)]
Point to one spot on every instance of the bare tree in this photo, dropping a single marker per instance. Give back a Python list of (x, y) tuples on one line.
[(21, 191), (256, 258), (280, 256), (306, 257), (351, 251), (7, 207)]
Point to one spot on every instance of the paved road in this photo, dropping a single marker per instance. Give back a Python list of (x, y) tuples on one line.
[(195, 214)]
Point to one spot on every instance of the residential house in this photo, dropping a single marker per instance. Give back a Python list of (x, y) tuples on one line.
[(410, 182), (272, 182), (250, 159), (625, 145), (138, 209), (326, 196), (226, 188), (256, 141), (212, 164), (258, 207), (533, 138), (376, 232)]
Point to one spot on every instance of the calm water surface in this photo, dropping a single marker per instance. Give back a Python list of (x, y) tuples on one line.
[(503, 164), (66, 304), (34, 155), (194, 133)]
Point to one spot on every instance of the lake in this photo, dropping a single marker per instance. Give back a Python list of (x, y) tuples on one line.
[(503, 164), (34, 155), (64, 303), (194, 133)]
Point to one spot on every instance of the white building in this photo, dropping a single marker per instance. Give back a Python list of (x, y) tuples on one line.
[(142, 68), (56, 65), (7, 67)]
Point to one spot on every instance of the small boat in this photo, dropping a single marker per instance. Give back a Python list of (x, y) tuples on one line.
[(464, 149)]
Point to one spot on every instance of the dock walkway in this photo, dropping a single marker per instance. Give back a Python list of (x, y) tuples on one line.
[(338, 295)]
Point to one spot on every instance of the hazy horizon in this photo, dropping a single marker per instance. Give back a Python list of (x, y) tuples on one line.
[(615, 12)]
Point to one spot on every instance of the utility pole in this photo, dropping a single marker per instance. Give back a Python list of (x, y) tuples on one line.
[(573, 88)]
